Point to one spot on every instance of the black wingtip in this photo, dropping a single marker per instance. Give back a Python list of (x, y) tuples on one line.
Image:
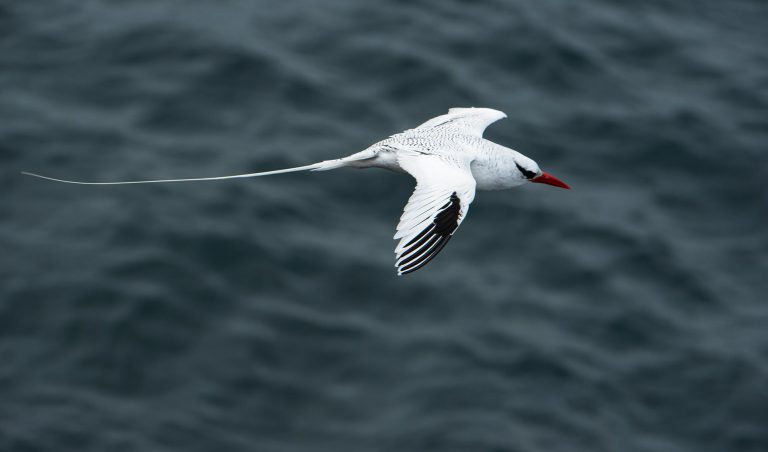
[(428, 243)]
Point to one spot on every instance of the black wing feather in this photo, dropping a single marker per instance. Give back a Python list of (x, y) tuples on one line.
[(429, 242)]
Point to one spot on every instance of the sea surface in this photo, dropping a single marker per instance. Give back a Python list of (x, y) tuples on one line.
[(628, 314)]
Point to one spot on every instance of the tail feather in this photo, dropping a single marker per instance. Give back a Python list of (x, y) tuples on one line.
[(321, 166), (328, 165)]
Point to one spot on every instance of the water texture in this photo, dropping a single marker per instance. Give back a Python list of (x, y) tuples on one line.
[(629, 314)]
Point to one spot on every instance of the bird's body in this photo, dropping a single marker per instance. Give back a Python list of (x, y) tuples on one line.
[(449, 158), (490, 163)]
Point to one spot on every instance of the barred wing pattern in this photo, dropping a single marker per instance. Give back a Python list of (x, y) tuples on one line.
[(471, 120), (444, 189)]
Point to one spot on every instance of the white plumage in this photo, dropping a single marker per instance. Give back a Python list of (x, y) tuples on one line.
[(448, 157)]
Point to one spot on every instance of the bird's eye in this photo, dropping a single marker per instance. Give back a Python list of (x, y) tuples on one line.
[(526, 173)]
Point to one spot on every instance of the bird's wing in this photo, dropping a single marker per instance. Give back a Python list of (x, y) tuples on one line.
[(444, 189), (470, 120)]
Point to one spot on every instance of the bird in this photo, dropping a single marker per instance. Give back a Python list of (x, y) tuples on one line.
[(449, 159)]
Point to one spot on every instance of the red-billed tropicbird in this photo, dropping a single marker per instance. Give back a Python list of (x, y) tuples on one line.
[(448, 157)]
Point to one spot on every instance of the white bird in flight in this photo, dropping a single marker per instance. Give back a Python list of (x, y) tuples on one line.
[(448, 157)]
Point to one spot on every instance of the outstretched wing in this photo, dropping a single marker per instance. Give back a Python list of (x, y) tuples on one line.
[(471, 120), (444, 189)]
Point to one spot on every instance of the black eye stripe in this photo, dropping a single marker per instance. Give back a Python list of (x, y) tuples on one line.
[(526, 173)]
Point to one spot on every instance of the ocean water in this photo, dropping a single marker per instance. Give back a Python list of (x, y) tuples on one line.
[(629, 314)]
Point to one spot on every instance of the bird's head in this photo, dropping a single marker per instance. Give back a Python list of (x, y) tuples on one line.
[(531, 172)]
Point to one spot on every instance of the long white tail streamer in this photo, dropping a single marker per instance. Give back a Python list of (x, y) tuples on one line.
[(326, 165)]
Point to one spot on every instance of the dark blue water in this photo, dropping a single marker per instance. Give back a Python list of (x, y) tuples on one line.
[(629, 314)]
